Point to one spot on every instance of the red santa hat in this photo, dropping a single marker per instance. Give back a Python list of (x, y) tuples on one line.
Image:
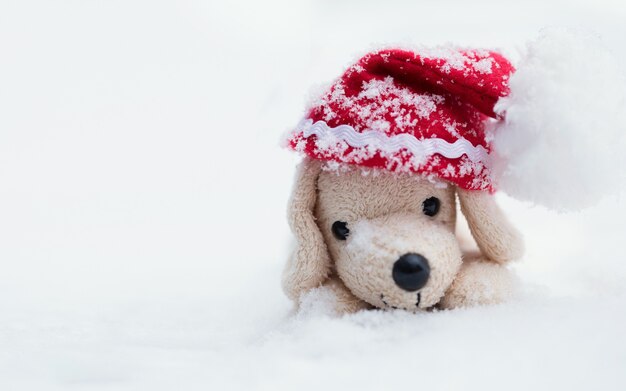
[(421, 112)]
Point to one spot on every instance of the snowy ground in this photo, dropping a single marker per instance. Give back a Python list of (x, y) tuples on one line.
[(142, 197)]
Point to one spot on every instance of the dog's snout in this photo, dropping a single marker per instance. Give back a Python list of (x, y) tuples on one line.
[(411, 271)]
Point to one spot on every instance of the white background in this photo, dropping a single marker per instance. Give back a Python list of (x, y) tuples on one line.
[(143, 192)]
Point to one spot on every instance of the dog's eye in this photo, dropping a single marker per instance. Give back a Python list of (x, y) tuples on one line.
[(340, 230), (430, 206)]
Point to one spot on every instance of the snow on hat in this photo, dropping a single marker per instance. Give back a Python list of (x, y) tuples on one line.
[(406, 111), (562, 141)]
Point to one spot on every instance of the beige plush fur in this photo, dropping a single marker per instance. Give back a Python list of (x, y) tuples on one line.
[(384, 213), (309, 264)]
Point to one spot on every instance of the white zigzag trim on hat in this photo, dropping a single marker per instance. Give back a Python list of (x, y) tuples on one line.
[(391, 144)]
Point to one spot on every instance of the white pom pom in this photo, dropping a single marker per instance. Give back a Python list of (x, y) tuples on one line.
[(563, 139)]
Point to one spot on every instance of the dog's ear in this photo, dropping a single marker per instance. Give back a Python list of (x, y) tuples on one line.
[(309, 263), (497, 239)]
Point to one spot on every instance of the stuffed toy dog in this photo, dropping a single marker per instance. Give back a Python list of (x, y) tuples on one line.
[(388, 240), (388, 150)]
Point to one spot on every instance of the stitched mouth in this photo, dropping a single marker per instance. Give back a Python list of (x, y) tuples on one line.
[(382, 298), (387, 305)]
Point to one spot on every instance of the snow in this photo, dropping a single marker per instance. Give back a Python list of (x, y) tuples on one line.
[(142, 209), (484, 65), (564, 138), (377, 99)]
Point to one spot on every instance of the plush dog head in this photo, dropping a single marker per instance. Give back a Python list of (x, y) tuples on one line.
[(390, 238)]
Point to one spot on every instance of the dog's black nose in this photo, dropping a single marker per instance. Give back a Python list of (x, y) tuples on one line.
[(411, 271)]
